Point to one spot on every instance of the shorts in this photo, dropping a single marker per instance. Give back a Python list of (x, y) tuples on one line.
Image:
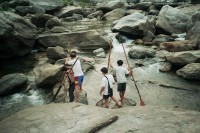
[(109, 95), (121, 87), (78, 80)]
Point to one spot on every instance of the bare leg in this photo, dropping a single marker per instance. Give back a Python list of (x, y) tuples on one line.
[(121, 96), (123, 92), (77, 97), (115, 100), (106, 103)]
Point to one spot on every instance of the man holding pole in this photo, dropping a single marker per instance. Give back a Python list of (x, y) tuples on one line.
[(121, 73), (78, 73)]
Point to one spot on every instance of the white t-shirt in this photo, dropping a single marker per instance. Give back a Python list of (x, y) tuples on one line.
[(104, 83), (121, 73), (77, 69)]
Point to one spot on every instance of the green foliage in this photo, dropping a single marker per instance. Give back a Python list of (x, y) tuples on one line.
[(68, 2)]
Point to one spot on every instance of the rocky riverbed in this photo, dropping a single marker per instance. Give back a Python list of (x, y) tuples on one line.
[(161, 39)]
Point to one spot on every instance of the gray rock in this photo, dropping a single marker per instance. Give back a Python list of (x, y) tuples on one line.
[(55, 52), (190, 71), (49, 5), (68, 11), (132, 24), (171, 20), (12, 83), (109, 5), (139, 52), (183, 58), (84, 40), (23, 10), (52, 22), (47, 74), (72, 117), (40, 19), (193, 28), (178, 46), (114, 15), (165, 66), (17, 35)]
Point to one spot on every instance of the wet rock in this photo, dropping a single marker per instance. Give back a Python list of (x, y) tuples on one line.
[(165, 66), (162, 38), (190, 71), (12, 83), (58, 29)]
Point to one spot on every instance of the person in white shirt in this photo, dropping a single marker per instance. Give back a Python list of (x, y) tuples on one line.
[(106, 87), (78, 73), (121, 73)]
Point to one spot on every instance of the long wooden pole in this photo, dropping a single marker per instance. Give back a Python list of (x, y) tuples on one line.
[(141, 101), (109, 57)]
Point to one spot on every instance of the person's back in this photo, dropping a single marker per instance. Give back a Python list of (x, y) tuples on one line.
[(104, 82), (121, 73), (77, 69), (105, 90)]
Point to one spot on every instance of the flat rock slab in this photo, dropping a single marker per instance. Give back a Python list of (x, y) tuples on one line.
[(79, 118)]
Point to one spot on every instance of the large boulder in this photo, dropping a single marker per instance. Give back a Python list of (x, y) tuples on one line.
[(47, 74), (84, 40), (190, 71), (171, 20), (49, 5), (17, 36), (72, 117), (68, 11), (139, 52), (115, 14), (193, 29), (183, 58), (12, 83), (40, 19), (177, 46), (132, 25), (55, 53), (109, 5), (23, 10)]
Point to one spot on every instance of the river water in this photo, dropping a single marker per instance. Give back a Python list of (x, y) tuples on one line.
[(156, 88)]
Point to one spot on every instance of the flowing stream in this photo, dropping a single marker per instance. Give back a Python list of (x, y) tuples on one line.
[(156, 88)]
